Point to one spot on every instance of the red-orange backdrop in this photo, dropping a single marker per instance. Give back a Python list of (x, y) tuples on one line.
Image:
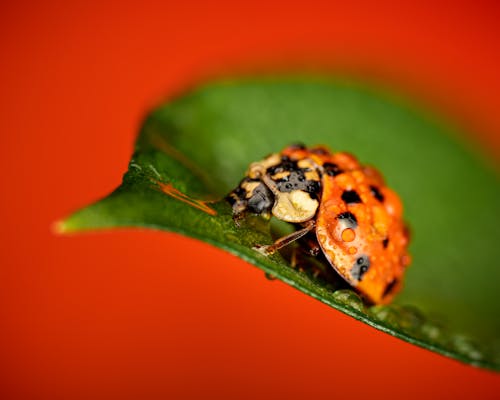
[(137, 314)]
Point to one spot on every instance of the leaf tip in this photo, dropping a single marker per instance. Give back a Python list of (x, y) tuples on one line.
[(59, 227)]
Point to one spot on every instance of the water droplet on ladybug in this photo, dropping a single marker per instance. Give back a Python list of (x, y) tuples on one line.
[(348, 235), (352, 250), (406, 260)]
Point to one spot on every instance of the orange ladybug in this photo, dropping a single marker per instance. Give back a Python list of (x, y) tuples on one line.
[(356, 218)]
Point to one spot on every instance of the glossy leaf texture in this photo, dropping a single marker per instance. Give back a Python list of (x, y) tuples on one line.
[(196, 147)]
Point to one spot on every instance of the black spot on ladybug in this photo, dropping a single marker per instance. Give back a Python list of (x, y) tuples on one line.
[(349, 217), (274, 169), (312, 187), (238, 193), (385, 243), (297, 146), (320, 151), (351, 197), (332, 169), (285, 166), (376, 193), (231, 198), (388, 289), (360, 267)]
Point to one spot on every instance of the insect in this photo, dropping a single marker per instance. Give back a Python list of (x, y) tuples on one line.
[(356, 218)]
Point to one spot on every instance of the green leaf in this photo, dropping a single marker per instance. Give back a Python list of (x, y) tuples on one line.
[(198, 146)]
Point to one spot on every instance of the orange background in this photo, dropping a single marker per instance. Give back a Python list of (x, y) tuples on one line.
[(138, 314)]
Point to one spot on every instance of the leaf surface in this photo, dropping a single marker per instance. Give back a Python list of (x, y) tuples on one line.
[(197, 147)]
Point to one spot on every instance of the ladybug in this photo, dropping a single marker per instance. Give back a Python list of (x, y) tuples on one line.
[(357, 220)]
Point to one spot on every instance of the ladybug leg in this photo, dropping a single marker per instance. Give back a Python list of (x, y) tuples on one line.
[(297, 260), (286, 240), (239, 211), (294, 258), (313, 247), (301, 258)]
